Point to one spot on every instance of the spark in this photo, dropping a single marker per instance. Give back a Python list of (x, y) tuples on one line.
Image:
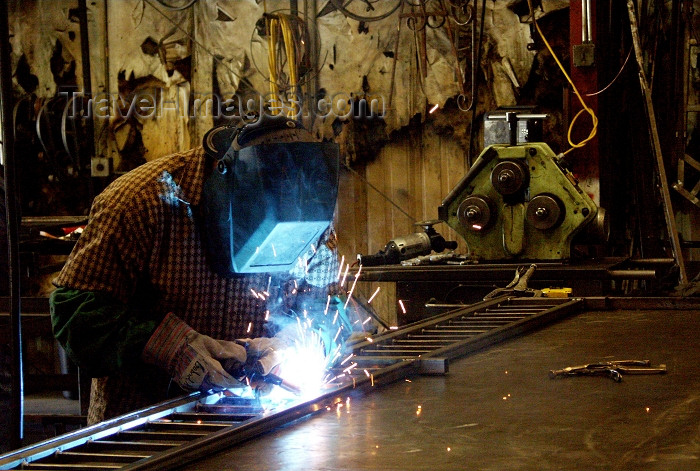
[(367, 320), (366, 372), (345, 275), (476, 227), (449, 449), (346, 359), (255, 293), (436, 106), (371, 378), (349, 368), (267, 314), (408, 380), (403, 308), (394, 327), (313, 248), (340, 270), (357, 277), (250, 326), (274, 252), (337, 334), (328, 303), (647, 409), (335, 318), (369, 339), (373, 295)]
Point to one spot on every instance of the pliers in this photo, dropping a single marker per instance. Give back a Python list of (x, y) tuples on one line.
[(517, 287), (612, 369)]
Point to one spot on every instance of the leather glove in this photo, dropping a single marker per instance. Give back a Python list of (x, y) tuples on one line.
[(192, 359), (263, 353)]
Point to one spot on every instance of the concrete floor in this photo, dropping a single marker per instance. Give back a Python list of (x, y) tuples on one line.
[(498, 409)]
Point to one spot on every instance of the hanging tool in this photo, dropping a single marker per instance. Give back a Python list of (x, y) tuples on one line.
[(612, 369)]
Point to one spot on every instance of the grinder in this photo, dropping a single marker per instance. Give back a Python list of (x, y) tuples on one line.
[(409, 246)]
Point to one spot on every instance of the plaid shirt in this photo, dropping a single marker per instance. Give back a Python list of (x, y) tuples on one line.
[(142, 237)]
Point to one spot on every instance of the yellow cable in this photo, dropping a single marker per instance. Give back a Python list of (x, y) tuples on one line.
[(272, 63), (290, 49), (588, 110), (284, 24)]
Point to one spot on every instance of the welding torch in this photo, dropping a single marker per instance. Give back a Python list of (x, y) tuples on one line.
[(262, 359)]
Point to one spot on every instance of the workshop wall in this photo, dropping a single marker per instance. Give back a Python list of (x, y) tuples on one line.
[(150, 64), (155, 70)]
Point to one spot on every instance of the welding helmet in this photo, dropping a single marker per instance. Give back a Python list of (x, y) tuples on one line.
[(271, 195)]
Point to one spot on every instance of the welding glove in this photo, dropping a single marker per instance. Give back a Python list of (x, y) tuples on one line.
[(192, 359), (263, 353)]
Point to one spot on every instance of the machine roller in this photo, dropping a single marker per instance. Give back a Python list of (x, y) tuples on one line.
[(518, 202)]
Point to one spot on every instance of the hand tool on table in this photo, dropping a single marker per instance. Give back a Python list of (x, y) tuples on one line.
[(517, 287), (613, 369)]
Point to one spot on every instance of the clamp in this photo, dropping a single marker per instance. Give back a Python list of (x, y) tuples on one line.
[(612, 369), (517, 287)]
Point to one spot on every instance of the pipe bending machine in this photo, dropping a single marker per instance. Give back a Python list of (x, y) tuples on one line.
[(518, 202)]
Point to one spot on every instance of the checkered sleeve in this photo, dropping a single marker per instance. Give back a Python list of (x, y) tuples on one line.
[(321, 270), (112, 252)]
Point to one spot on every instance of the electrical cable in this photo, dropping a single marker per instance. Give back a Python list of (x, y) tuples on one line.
[(586, 109), (629, 54), (277, 24), (357, 174)]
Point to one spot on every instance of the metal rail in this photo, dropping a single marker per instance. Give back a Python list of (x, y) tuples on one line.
[(182, 430)]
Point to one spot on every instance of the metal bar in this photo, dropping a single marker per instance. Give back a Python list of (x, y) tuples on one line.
[(206, 417), (405, 351), (94, 432), (134, 435), (656, 147), (131, 445), (498, 335), (456, 331), (108, 457), (477, 324), (12, 217), (177, 431), (185, 426), (83, 467)]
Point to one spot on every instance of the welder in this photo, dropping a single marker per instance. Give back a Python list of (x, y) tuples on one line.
[(171, 281)]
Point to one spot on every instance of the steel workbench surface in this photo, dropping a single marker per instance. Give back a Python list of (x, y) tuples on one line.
[(498, 409)]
